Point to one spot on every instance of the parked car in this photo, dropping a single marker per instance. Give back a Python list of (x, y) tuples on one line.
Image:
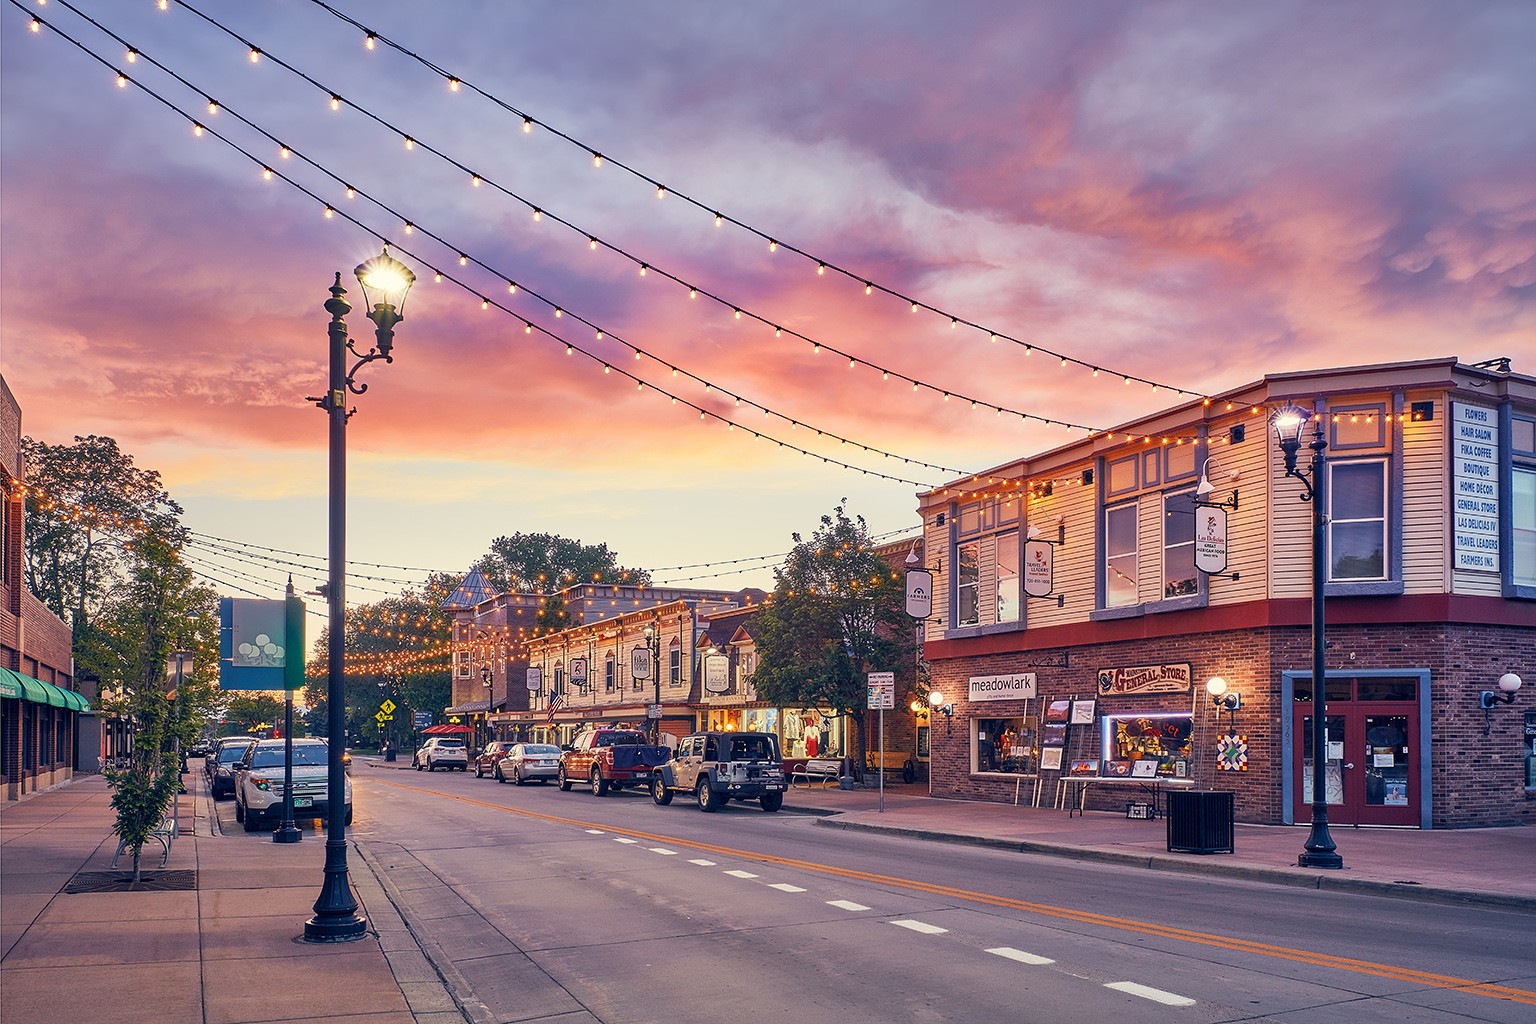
[(259, 783), (487, 759), (220, 765), (442, 752), (720, 766), (525, 762), (202, 748)]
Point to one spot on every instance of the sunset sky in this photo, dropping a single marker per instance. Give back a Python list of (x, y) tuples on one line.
[(1190, 194)]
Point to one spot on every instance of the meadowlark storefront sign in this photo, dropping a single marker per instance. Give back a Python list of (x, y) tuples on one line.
[(1136, 679)]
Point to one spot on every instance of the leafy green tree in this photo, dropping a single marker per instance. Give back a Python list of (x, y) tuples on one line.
[(545, 563), (87, 506), (247, 710), (836, 615), (157, 609)]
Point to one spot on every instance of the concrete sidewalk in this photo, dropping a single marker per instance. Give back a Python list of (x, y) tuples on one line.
[(225, 948)]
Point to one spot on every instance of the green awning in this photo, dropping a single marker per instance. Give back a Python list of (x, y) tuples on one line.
[(23, 687)]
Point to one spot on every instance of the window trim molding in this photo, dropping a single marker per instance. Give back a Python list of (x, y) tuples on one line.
[(1512, 590)]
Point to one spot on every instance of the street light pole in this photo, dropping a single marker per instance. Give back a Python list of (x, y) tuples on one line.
[(653, 641), (1319, 850), (485, 679), (336, 918)]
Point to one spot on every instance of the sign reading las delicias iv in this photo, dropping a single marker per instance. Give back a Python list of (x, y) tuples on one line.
[(1210, 539)]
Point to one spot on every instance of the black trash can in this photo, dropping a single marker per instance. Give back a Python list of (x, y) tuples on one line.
[(1199, 822), (389, 752)]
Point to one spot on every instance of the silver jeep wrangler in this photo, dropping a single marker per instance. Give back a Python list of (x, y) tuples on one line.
[(720, 766)]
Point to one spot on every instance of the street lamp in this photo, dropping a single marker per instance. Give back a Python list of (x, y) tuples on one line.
[(1289, 423), (485, 679), (385, 282), (653, 643)]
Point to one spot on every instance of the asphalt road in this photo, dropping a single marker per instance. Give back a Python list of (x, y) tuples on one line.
[(566, 907)]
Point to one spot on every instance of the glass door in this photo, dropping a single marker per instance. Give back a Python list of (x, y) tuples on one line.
[(1371, 769)]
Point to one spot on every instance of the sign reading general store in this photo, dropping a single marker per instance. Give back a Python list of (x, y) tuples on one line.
[(1146, 679)]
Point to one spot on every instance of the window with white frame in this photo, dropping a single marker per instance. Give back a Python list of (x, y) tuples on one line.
[(1357, 520), (1179, 576), (1008, 576), (608, 672), (1120, 556), (968, 584), (1522, 520), (675, 662)]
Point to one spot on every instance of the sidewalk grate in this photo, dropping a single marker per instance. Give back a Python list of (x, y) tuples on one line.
[(119, 881)]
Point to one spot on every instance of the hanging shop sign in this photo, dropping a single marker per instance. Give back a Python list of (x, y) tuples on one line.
[(1137, 679), (919, 593), (1475, 486), (535, 679), (579, 671), (1210, 538), (1017, 686), (255, 637), (1039, 571), (717, 673), (640, 662)]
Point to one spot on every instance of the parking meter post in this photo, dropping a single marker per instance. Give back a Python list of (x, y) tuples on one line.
[(287, 830)]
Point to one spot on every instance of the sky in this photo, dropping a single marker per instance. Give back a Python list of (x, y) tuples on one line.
[(1188, 194)]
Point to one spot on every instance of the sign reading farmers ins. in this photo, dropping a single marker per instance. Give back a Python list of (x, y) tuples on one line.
[(1146, 679)]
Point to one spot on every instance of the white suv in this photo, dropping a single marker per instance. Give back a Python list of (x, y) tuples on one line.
[(259, 783), (442, 752)]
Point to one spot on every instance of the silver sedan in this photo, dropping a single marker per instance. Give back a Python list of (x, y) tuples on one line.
[(528, 761)]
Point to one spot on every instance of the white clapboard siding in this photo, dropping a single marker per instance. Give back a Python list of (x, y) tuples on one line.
[(1248, 524), (1426, 557)]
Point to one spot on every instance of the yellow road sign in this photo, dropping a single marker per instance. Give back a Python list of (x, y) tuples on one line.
[(388, 707)]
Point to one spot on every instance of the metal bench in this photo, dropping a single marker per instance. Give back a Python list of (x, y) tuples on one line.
[(163, 833), (891, 762), (826, 769)]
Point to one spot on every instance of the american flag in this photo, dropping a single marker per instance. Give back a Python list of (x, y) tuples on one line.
[(556, 702)]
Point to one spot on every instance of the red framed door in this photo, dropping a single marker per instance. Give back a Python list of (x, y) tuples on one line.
[(1372, 770)]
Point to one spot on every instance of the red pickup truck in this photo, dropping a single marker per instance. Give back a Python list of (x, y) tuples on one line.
[(610, 759)]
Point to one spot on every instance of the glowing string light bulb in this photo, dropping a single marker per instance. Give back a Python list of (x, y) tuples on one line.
[(213, 107), (410, 143), (197, 130), (527, 125), (453, 85), (335, 102), (122, 80), (369, 40), (255, 55), (132, 56), (37, 26)]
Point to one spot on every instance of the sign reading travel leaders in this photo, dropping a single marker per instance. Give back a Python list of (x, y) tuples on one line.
[(535, 679), (1039, 570), (1475, 486), (919, 593), (1210, 539), (254, 640), (882, 691), (1019, 686)]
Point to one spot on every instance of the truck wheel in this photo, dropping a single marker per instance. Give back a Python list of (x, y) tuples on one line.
[(249, 821), (599, 784), (659, 791), (708, 801), (771, 801), (561, 780), (239, 812), (479, 771)]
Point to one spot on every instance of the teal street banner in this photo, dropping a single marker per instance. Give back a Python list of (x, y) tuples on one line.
[(261, 644)]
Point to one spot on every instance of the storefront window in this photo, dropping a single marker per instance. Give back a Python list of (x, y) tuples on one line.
[(1005, 745), (1147, 746), (814, 734), (761, 720)]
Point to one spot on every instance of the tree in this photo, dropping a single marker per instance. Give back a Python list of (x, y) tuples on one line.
[(156, 610), (544, 563), (837, 614), (87, 506)]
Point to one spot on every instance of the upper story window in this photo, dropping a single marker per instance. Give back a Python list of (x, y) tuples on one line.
[(1357, 521), (1522, 503), (559, 686), (1120, 556), (1008, 576), (968, 584), (675, 662), (608, 672), (987, 565), (1179, 576)]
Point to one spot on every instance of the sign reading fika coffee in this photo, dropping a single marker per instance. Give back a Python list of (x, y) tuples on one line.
[(1475, 486)]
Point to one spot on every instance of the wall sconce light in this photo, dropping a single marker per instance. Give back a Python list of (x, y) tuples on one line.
[(1223, 699), (936, 701), (1032, 532), (920, 710), (1509, 683), (1206, 488)]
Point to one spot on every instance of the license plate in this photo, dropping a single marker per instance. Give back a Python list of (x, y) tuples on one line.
[(303, 801)]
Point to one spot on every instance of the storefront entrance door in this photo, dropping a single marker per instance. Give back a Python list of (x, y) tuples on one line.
[(1372, 771)]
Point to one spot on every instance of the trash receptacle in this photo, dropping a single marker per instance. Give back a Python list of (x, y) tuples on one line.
[(1199, 822), (389, 752)]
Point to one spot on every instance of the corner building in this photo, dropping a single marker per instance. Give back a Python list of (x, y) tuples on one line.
[(1073, 635)]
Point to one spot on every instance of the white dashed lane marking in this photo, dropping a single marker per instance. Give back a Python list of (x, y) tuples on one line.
[(662, 850), (625, 839), (1157, 995), (921, 927), (741, 874), (846, 905), (1009, 953), (786, 887), (703, 863), (595, 832)]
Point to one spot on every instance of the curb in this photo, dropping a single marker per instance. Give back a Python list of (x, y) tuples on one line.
[(1153, 862)]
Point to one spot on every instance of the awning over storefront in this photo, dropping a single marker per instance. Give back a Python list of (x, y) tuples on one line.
[(23, 687), (473, 707)]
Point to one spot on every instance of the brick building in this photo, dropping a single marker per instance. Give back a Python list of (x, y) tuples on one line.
[(40, 712), (1081, 606)]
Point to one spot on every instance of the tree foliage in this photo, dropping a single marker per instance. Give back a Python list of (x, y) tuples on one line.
[(545, 563), (836, 615), (87, 506)]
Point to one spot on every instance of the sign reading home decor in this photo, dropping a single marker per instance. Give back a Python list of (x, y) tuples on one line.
[(1019, 686), (1146, 679)]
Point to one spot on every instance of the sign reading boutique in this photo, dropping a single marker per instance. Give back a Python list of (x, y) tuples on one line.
[(1019, 686)]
